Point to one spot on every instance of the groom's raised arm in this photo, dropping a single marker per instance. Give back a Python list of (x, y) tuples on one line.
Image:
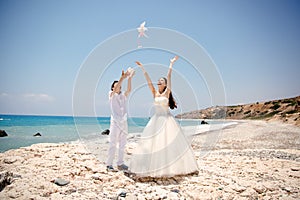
[(128, 86), (123, 76)]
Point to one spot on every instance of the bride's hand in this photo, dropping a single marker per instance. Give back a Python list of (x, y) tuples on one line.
[(174, 59), (138, 63)]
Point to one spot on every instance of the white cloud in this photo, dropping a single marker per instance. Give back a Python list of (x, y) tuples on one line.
[(3, 94), (38, 97)]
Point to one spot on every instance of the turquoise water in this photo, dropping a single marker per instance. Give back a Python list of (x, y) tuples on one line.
[(54, 129)]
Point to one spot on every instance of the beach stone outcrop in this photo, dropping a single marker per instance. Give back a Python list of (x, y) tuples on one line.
[(61, 182), (3, 133), (204, 122), (105, 132), (10, 160), (37, 135), (6, 178)]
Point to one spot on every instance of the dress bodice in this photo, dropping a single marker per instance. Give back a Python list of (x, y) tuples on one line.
[(161, 105), (161, 101)]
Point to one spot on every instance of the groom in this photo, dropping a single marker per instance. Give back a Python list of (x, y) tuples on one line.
[(118, 121)]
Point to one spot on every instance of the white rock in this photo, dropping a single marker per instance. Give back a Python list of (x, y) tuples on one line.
[(259, 188), (10, 160), (96, 177), (131, 197), (173, 196), (269, 186), (148, 190), (249, 193), (238, 188)]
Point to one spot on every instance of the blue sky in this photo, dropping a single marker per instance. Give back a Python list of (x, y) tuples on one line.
[(254, 44)]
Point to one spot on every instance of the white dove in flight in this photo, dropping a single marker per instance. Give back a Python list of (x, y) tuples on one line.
[(142, 29)]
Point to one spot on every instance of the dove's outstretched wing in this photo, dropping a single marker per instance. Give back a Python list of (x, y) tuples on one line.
[(142, 29)]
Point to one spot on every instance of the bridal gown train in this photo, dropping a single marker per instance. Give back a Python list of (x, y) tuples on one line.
[(163, 149)]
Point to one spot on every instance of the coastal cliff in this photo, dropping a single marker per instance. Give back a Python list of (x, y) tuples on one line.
[(285, 110)]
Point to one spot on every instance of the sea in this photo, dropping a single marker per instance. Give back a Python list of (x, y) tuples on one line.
[(57, 129)]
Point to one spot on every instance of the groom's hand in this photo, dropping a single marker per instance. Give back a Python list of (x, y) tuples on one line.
[(124, 75), (132, 75)]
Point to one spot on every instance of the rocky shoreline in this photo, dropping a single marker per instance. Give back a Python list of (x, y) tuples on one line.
[(251, 160)]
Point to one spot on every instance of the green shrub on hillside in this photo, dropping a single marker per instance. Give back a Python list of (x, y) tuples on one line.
[(291, 112), (287, 101), (231, 113), (265, 115), (275, 107), (293, 103), (271, 114), (247, 112)]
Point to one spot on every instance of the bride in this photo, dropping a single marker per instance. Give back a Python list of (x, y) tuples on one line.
[(163, 149)]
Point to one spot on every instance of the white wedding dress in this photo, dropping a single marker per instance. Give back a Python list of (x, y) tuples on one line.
[(163, 149)]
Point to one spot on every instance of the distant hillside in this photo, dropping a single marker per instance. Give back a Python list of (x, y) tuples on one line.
[(286, 110)]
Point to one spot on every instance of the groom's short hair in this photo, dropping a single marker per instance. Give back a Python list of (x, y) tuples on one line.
[(113, 84)]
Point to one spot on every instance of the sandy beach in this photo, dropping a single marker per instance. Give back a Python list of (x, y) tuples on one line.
[(248, 160)]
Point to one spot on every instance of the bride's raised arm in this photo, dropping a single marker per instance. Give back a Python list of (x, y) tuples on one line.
[(172, 61), (152, 88)]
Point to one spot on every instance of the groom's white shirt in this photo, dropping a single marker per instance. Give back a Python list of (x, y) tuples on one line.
[(118, 107)]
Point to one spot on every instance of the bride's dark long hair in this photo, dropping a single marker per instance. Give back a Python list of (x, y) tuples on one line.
[(172, 103)]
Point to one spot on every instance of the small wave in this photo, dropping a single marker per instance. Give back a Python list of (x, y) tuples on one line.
[(2, 119)]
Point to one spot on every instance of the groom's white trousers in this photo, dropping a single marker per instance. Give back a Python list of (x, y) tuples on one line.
[(118, 137)]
